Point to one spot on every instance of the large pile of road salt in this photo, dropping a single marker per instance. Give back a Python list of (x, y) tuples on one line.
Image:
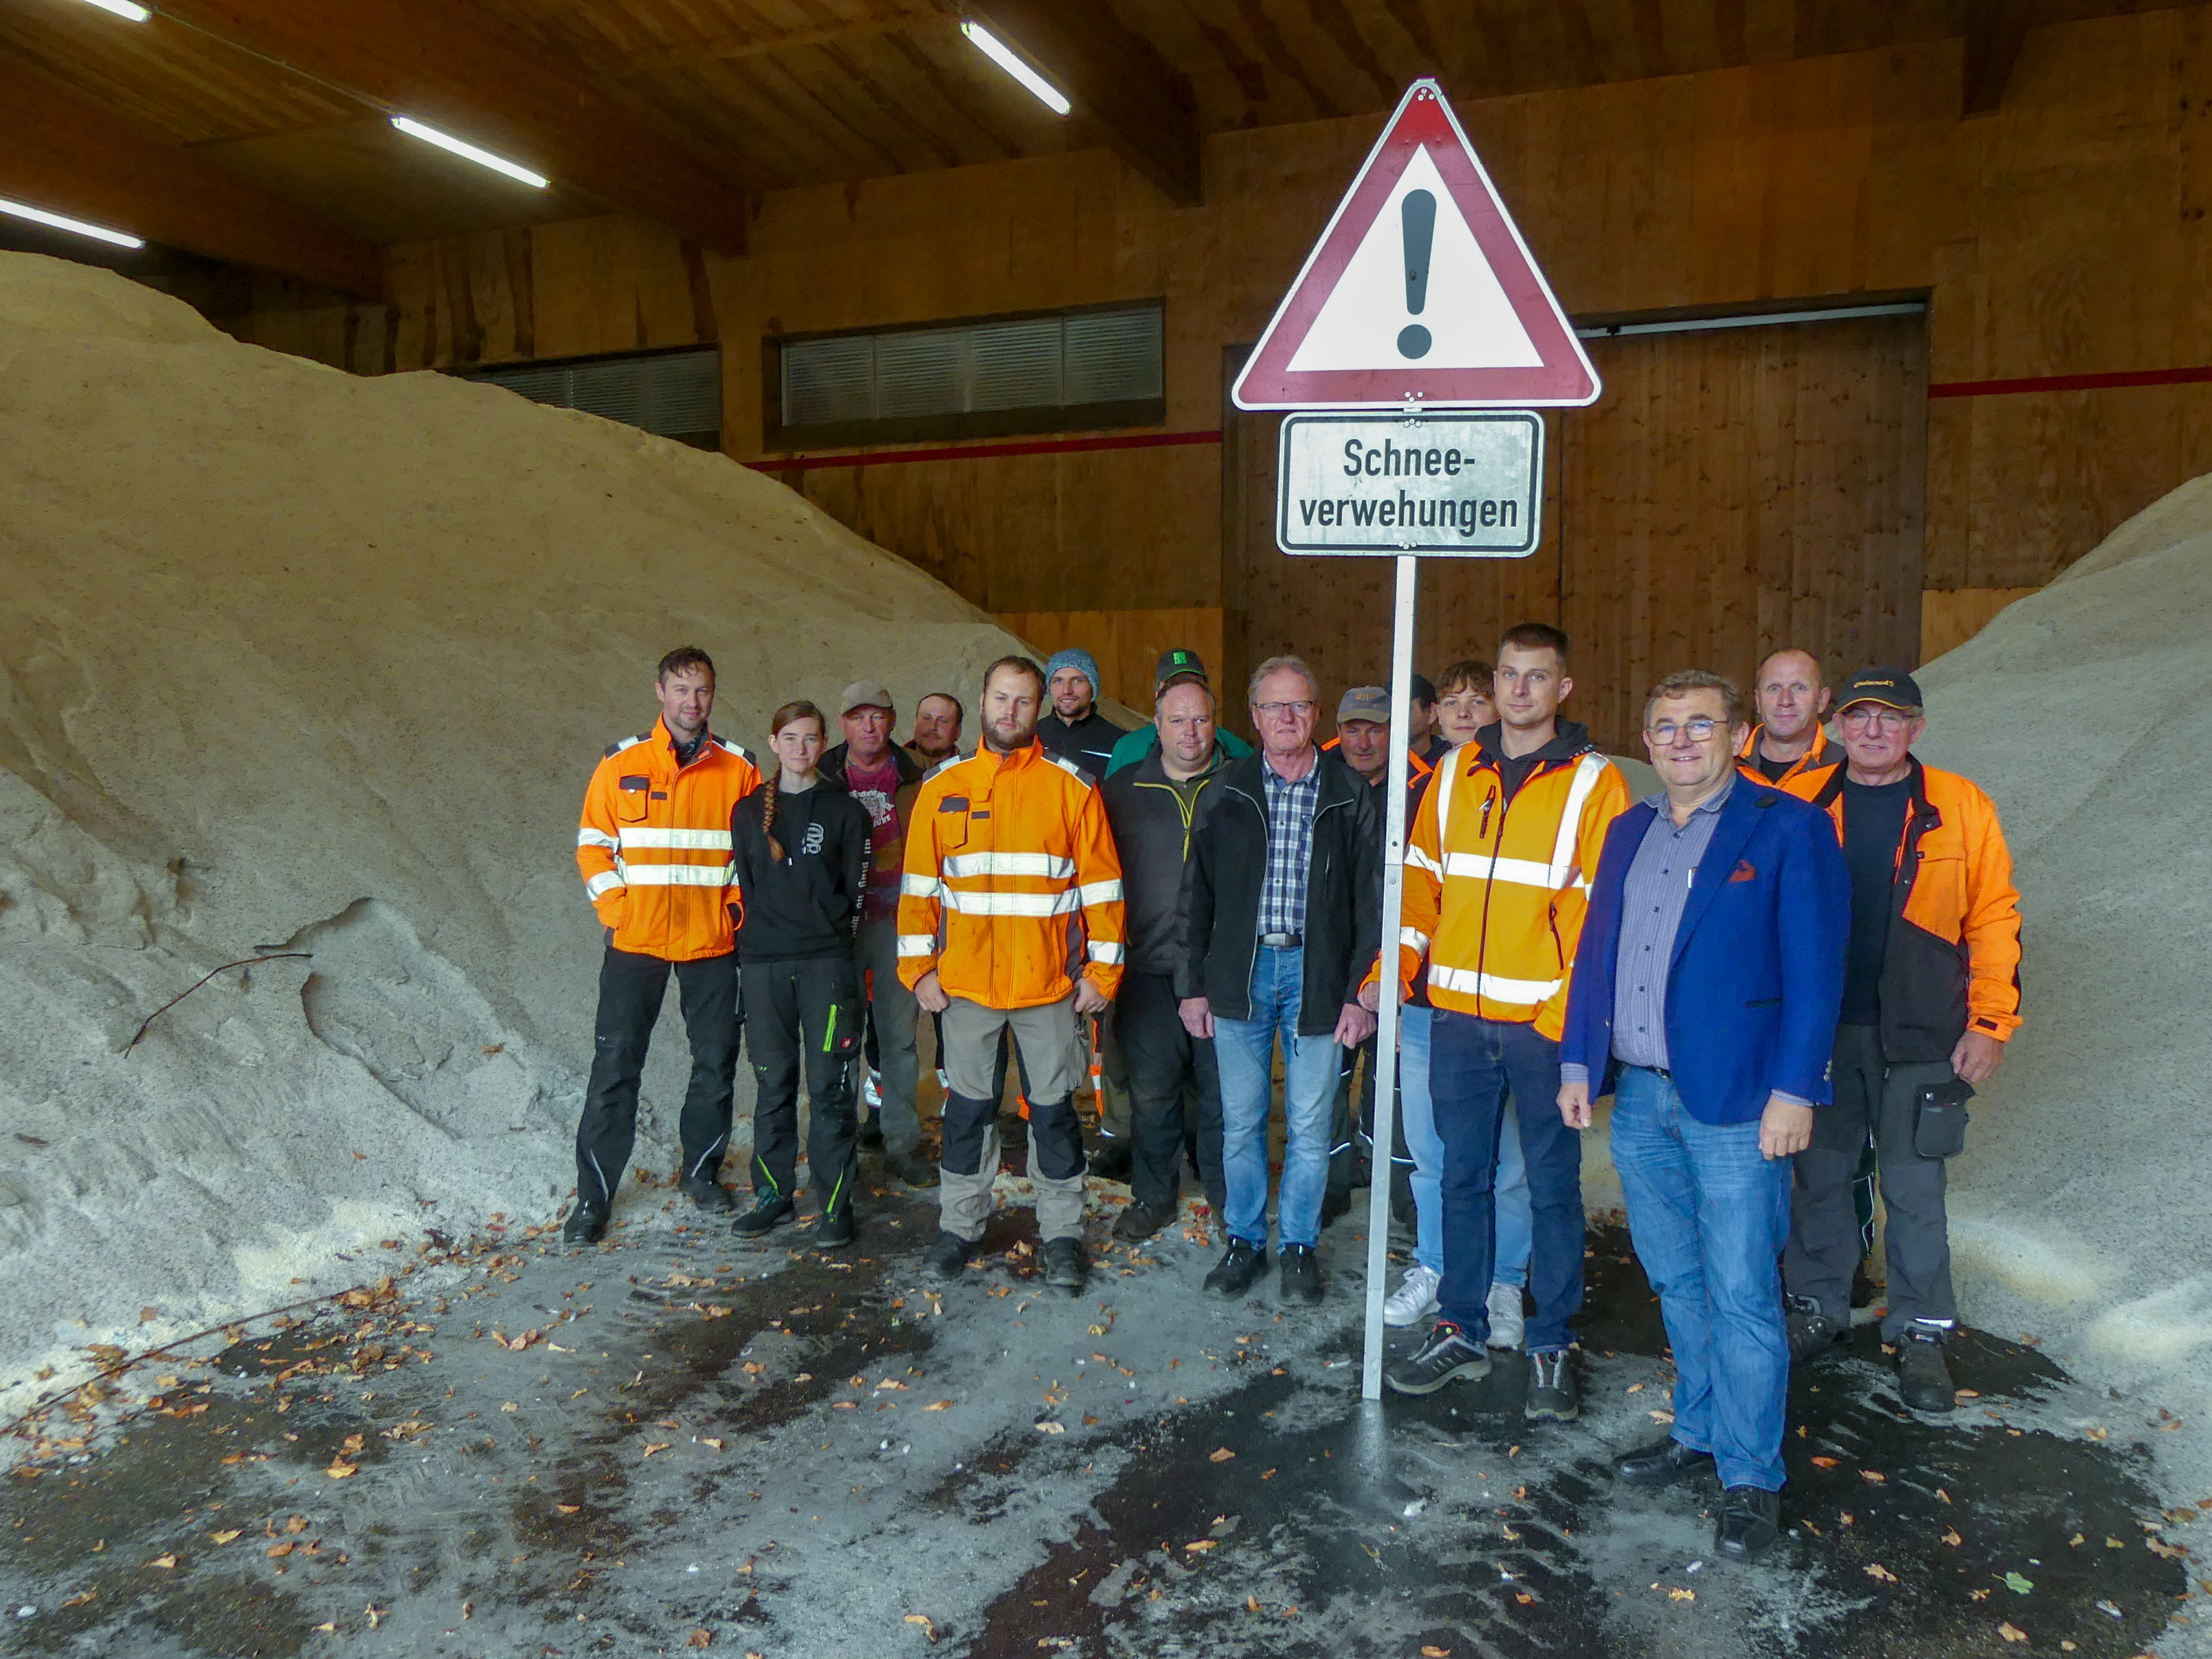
[(2079, 1208), (295, 660)]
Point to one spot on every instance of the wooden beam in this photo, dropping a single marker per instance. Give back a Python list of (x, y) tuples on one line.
[(1121, 87), (724, 48), (76, 158), (455, 67), (1994, 32)]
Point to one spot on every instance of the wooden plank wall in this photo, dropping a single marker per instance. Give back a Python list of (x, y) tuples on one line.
[(1951, 616), (1128, 644)]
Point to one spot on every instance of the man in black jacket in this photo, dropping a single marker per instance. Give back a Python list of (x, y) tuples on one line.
[(1155, 808), (1075, 730), (1284, 911)]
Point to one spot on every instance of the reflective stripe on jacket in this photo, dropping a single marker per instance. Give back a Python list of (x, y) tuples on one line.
[(1824, 752), (1496, 889), (654, 846), (1952, 962), (1010, 868)]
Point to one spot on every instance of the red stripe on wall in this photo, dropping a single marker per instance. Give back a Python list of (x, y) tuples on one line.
[(980, 451), (2070, 382)]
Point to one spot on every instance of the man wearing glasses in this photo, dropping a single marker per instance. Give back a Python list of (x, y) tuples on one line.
[(1931, 992), (1705, 994)]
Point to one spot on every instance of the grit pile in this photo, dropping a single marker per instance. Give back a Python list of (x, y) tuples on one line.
[(297, 661), (2079, 1208)]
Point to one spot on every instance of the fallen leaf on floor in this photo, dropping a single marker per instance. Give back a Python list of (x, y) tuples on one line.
[(569, 1509), (1825, 1463), (1201, 1545), (1045, 1425), (711, 1440), (1681, 1595), (922, 1620), (82, 1598), (700, 1639), (1219, 1455), (376, 1615), (363, 1157), (2018, 1585), (939, 1406), (1953, 1539), (1874, 1476), (228, 1535), (1880, 1574), (2012, 1632), (1251, 1604), (277, 1551), (164, 1562), (339, 1468)]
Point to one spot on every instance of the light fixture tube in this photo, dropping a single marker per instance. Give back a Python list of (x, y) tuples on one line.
[(39, 215), (136, 14), (1000, 53), (482, 158)]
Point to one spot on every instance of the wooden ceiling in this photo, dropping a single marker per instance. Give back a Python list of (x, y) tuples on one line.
[(680, 109)]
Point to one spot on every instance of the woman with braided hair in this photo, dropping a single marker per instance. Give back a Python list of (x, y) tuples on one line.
[(801, 848)]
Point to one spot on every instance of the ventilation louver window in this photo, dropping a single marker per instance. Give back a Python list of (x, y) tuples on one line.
[(673, 394), (1072, 370)]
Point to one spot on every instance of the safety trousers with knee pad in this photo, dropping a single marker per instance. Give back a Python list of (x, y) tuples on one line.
[(963, 1128), (631, 988), (806, 1017)]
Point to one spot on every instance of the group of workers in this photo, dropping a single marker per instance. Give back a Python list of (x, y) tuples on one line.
[(1800, 953)]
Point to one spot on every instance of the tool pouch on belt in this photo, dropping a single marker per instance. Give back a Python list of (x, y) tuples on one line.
[(846, 1025), (1939, 1118)]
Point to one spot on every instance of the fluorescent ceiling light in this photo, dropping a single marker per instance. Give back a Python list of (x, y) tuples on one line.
[(1000, 53), (482, 158), (136, 14), (39, 215)]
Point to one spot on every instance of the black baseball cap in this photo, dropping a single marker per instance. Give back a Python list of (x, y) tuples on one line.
[(1893, 687), (1176, 663)]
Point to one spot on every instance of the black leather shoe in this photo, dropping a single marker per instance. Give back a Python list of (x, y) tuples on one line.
[(837, 1230), (950, 1256), (1237, 1271), (710, 1195), (1064, 1265), (768, 1211), (1300, 1280), (587, 1225), (1139, 1222), (1111, 1161), (1924, 1381), (1661, 1463), (1751, 1520), (1553, 1395), (1811, 1333), (869, 1138)]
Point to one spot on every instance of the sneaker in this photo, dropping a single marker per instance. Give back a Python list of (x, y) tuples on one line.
[(1139, 1222), (1300, 1276), (1444, 1358), (1508, 1324), (1553, 1396), (950, 1256), (709, 1195), (1924, 1381), (1414, 1299), (871, 1093), (587, 1225), (1064, 1265), (943, 1081), (1237, 1271), (768, 1211), (1811, 1333), (869, 1138), (1111, 1161), (837, 1230)]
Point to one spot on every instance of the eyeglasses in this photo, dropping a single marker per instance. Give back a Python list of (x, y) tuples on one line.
[(1275, 711), (1698, 729), (1883, 719)]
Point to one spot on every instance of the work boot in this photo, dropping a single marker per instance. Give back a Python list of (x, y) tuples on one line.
[(1445, 1357), (872, 1092), (949, 1257), (869, 1137), (1065, 1268), (1509, 1322), (837, 1230), (587, 1225), (1811, 1332), (1924, 1381), (1237, 1271), (1139, 1222), (1553, 1395), (709, 1196), (1111, 1161), (1300, 1276), (1661, 1463), (769, 1211), (1751, 1520)]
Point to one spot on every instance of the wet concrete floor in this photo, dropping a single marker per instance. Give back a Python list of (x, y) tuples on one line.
[(680, 1441)]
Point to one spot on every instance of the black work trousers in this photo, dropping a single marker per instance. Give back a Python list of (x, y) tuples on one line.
[(1174, 1094), (806, 1015), (1824, 1232), (631, 989), (1351, 1137)]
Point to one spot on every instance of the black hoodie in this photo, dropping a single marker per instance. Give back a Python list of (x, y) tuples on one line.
[(1571, 738), (806, 904)]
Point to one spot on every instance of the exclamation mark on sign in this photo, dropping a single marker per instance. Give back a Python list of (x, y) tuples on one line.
[(1418, 219)]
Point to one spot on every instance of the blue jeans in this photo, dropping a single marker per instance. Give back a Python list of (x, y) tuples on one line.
[(1418, 1113), (1710, 1216), (1243, 1050), (1472, 1064), (1516, 1223)]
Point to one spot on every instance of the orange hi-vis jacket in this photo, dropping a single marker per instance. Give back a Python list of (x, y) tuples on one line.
[(1824, 752), (1496, 889), (1009, 864), (655, 844), (1952, 961)]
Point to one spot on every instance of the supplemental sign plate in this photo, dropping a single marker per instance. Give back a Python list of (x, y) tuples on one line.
[(1470, 485)]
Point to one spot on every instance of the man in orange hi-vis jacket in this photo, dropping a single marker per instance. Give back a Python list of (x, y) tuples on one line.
[(654, 850), (1010, 916)]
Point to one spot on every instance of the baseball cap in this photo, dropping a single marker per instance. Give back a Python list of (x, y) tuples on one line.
[(1893, 687), (865, 693), (1178, 661), (1365, 702)]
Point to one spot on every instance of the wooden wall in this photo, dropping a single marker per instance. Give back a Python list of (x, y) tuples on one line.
[(2067, 234)]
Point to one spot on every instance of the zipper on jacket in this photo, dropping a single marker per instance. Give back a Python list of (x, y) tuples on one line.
[(1489, 881)]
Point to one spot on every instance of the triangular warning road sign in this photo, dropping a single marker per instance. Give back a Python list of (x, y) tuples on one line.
[(1421, 287)]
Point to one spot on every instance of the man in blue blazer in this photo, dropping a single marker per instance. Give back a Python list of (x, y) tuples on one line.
[(1704, 996)]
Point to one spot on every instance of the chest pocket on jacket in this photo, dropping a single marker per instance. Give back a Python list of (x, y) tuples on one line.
[(631, 799), (952, 823)]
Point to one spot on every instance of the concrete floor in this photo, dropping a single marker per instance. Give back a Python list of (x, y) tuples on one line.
[(687, 1442)]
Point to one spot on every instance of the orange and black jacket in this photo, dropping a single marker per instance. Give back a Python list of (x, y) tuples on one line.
[(1824, 753), (654, 846), (1952, 962)]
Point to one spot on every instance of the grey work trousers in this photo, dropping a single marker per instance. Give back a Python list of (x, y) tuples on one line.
[(891, 1004), (1046, 1037), (1824, 1229)]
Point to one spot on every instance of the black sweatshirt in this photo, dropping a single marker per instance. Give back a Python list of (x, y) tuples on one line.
[(808, 903)]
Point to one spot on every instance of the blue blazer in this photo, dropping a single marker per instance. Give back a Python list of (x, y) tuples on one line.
[(1758, 975)]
